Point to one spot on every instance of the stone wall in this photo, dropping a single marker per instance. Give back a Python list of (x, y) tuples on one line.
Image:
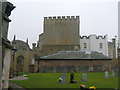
[(52, 49), (60, 34), (6, 67), (64, 66), (1, 58), (61, 30), (23, 57), (119, 53), (26, 65), (5, 45)]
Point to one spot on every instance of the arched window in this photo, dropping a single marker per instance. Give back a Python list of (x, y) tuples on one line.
[(20, 60)]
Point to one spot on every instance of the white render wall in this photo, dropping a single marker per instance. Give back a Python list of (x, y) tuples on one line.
[(93, 42)]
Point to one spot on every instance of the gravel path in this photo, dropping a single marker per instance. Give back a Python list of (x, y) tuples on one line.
[(19, 78), (15, 86)]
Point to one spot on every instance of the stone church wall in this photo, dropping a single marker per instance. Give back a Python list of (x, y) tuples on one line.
[(51, 49), (66, 66), (60, 34), (25, 65), (61, 30)]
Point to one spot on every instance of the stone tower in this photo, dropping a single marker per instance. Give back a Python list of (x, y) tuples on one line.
[(60, 34), (61, 30)]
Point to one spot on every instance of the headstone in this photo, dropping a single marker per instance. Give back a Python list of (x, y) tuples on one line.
[(106, 74), (112, 73), (84, 78), (117, 73), (63, 78)]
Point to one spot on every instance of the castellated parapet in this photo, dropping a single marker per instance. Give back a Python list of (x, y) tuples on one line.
[(61, 30), (94, 43), (63, 19), (97, 37), (61, 33)]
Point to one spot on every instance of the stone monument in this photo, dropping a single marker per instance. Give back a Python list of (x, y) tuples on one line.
[(112, 73), (117, 73), (63, 78), (106, 74), (84, 78), (5, 45)]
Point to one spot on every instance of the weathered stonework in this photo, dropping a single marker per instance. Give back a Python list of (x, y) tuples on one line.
[(5, 45), (64, 66), (60, 33), (61, 30), (77, 61), (23, 58), (112, 49), (6, 68), (51, 49)]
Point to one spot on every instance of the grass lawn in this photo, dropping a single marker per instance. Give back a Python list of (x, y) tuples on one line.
[(49, 80)]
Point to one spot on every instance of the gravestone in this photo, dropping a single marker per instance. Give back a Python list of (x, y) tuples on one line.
[(106, 74), (63, 78), (112, 73), (84, 78), (117, 73)]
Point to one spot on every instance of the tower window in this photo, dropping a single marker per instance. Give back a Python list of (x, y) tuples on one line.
[(85, 45), (101, 45)]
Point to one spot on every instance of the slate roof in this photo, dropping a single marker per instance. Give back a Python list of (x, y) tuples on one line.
[(76, 55)]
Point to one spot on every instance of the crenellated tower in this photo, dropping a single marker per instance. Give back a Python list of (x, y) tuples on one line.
[(61, 33), (61, 30)]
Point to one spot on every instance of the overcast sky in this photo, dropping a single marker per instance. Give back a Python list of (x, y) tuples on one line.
[(98, 17)]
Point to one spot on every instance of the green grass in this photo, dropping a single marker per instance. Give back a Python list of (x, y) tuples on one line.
[(49, 80)]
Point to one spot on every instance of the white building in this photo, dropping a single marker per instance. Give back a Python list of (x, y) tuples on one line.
[(94, 43)]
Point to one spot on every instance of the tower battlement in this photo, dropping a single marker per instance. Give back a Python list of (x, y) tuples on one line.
[(61, 17), (97, 37), (61, 30)]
